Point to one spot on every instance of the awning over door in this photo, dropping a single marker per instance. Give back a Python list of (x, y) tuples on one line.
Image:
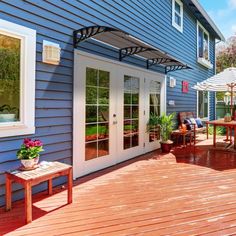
[(128, 45)]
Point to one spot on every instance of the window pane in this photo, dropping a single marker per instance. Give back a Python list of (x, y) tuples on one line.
[(177, 19), (202, 104), (104, 79), (103, 148), (90, 151), (205, 46), (91, 76), (91, 133), (91, 114), (205, 104), (177, 7), (9, 78), (200, 42), (91, 95)]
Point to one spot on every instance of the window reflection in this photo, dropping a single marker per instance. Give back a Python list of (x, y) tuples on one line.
[(131, 112), (9, 78), (97, 113), (154, 108)]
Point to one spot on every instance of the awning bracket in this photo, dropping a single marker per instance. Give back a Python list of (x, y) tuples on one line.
[(88, 32), (172, 68), (155, 61), (124, 52)]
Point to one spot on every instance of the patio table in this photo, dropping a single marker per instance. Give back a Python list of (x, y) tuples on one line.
[(45, 172), (230, 125)]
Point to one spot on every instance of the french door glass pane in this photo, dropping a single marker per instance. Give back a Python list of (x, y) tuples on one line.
[(10, 49), (131, 112), (154, 108), (97, 113)]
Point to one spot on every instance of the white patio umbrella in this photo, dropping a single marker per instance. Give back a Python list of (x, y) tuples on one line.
[(223, 81)]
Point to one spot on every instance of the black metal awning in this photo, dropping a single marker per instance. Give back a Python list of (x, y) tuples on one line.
[(128, 45)]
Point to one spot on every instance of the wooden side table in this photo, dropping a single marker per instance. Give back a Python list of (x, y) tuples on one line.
[(45, 172), (177, 134)]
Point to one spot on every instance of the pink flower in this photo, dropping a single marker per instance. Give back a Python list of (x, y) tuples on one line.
[(27, 140), (31, 143), (38, 143)]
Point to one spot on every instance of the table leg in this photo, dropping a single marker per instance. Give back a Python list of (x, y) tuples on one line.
[(230, 130), (70, 186), (207, 130), (234, 137), (214, 136), (8, 193), (50, 187), (190, 138), (184, 141), (28, 202)]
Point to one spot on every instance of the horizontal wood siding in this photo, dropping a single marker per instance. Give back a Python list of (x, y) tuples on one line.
[(55, 21)]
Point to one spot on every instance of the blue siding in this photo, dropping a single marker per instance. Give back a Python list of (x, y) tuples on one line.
[(55, 21)]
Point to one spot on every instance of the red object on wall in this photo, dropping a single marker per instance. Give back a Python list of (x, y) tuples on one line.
[(185, 86)]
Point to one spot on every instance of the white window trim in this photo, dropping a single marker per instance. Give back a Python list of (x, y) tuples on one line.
[(208, 107), (26, 125), (202, 60), (179, 28)]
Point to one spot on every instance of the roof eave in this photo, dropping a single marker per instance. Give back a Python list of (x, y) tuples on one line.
[(209, 20)]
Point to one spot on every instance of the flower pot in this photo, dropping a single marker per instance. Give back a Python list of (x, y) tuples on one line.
[(166, 146), (29, 163), (7, 117)]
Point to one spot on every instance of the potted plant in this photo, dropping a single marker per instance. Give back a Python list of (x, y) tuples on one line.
[(166, 124), (8, 113), (29, 153)]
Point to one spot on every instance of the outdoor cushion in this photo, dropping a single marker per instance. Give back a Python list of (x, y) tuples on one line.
[(199, 123), (188, 123), (193, 121)]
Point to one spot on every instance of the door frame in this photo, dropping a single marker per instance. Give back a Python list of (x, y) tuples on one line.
[(77, 96)]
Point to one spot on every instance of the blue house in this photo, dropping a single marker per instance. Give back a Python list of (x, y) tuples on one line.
[(84, 76)]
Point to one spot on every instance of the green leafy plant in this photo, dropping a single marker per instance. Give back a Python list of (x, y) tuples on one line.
[(30, 149), (7, 109), (221, 131), (165, 122)]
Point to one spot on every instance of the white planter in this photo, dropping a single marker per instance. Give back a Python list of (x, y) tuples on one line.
[(7, 117), (30, 163)]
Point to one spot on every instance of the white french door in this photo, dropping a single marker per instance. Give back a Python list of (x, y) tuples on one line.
[(112, 104)]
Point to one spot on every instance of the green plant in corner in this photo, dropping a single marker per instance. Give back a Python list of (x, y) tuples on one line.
[(165, 122)]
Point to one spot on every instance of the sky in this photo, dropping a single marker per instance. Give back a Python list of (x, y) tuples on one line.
[(223, 13)]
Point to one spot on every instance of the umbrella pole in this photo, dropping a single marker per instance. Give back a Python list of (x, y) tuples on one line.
[(231, 86)]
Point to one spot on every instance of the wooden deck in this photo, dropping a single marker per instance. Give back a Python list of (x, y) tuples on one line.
[(188, 192)]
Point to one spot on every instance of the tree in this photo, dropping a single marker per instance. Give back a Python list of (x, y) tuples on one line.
[(226, 54), (225, 57)]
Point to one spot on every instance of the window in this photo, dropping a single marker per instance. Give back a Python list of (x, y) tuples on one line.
[(17, 79), (203, 46), (203, 103), (177, 14)]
